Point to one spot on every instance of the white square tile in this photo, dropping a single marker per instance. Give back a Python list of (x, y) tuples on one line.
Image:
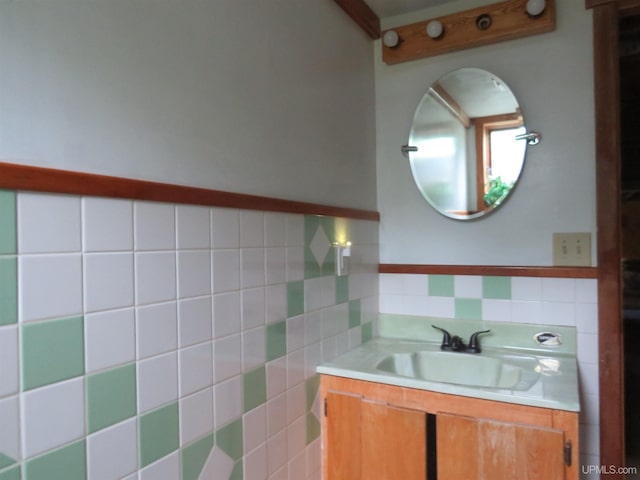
[(295, 264), (313, 327), (196, 323), (275, 265), (226, 314), (276, 377), (167, 468), (587, 348), (253, 307), (589, 378), (52, 416), (295, 368), (296, 439), (276, 303), (587, 317), (255, 464), (296, 332), (296, 402), (252, 267), (467, 286), (253, 348), (251, 228), (155, 277), (226, 270), (107, 224), (154, 226), (196, 368), (156, 329), (415, 284), (294, 230), (277, 451), (391, 284), (196, 416), (49, 286), (157, 381), (559, 289), (225, 228), (227, 401), (254, 428), (559, 313), (193, 228), (276, 414), (10, 431), (109, 339), (227, 354), (440, 307), (280, 474), (194, 273), (526, 311), (275, 229), (104, 447), (496, 310), (526, 288), (108, 280), (217, 465), (314, 457), (313, 352), (8, 361), (586, 290), (48, 223)]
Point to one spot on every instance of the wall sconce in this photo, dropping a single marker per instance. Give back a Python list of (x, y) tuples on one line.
[(498, 22), (342, 252), (434, 29), (536, 7)]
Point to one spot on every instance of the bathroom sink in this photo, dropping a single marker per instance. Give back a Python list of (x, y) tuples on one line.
[(510, 372)]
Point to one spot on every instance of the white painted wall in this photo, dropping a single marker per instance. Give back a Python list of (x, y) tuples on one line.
[(264, 97), (551, 75)]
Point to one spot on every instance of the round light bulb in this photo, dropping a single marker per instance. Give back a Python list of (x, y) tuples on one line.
[(390, 38), (434, 29), (536, 7)]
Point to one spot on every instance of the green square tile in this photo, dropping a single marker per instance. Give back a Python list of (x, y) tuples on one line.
[(158, 434), (312, 385), (311, 225), (367, 332), (342, 289), (8, 222), (355, 314), (111, 397), (195, 456), (295, 298), (11, 474), (238, 471), (5, 461), (8, 290), (229, 439), (67, 463), (468, 308), (313, 428), (51, 351), (276, 340), (254, 388), (441, 285), (496, 287)]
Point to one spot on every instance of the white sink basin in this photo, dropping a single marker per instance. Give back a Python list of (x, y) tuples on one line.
[(508, 372)]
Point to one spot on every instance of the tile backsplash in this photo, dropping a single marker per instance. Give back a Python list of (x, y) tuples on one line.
[(546, 301), (153, 341)]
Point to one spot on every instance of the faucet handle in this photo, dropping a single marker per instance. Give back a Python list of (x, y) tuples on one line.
[(474, 344), (446, 337)]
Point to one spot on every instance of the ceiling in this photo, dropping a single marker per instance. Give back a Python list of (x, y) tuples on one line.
[(389, 8)]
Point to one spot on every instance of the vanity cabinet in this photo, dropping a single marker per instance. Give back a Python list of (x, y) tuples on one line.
[(378, 431)]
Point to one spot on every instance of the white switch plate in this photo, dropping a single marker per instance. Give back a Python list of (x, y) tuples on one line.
[(572, 249)]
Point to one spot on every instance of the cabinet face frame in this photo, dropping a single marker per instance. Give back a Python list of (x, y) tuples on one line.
[(434, 403)]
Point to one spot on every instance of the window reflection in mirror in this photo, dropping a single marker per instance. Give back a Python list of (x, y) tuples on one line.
[(464, 129)]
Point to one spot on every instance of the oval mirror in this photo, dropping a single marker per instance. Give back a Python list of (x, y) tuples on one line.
[(467, 143)]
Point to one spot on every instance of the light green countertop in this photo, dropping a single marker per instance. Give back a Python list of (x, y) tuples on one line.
[(548, 375)]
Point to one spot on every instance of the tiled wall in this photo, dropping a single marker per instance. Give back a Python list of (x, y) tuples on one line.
[(548, 301), (154, 341)]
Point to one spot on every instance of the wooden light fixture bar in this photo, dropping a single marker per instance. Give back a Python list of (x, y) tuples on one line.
[(509, 20)]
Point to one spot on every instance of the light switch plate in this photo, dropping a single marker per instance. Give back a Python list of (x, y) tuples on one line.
[(572, 249)]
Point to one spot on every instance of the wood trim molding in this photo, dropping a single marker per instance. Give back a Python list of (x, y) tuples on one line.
[(607, 139), (21, 177), (625, 7), (489, 270), (509, 21), (362, 14)]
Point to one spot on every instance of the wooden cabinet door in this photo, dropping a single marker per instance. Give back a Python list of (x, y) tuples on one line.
[(374, 441), (481, 449)]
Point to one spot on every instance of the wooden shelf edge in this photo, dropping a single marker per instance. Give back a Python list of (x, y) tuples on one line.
[(362, 14), (491, 270), (40, 179)]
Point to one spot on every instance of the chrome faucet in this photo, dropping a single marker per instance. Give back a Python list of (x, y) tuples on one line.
[(456, 344)]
